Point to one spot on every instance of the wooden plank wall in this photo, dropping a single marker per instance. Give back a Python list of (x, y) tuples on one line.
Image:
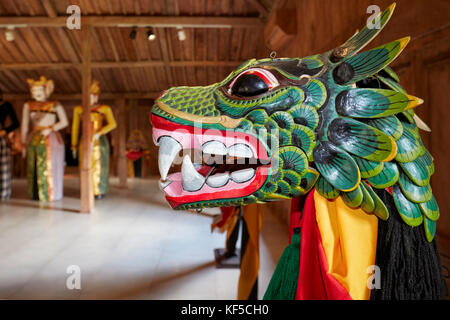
[(424, 69)]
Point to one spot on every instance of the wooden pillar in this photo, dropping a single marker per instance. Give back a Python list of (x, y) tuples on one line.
[(86, 184), (122, 166)]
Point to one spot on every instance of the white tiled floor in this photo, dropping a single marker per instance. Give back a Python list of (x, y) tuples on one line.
[(133, 246)]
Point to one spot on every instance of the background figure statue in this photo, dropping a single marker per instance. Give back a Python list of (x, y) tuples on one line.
[(137, 148), (6, 114), (45, 163), (100, 144)]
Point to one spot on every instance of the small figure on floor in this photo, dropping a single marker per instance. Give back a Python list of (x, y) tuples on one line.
[(137, 148), (100, 144)]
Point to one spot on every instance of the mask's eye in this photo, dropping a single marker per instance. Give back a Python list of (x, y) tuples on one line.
[(253, 82)]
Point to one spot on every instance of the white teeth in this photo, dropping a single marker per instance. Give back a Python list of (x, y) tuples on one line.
[(154, 141), (169, 148), (242, 175), (218, 180), (192, 180), (164, 184), (214, 147), (240, 150)]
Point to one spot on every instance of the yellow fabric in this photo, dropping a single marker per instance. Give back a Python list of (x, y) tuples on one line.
[(76, 125), (47, 106), (130, 168), (252, 215), (349, 239), (97, 116), (110, 121)]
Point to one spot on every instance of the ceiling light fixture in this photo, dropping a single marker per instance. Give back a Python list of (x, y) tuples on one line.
[(9, 34), (181, 34), (133, 34), (150, 34)]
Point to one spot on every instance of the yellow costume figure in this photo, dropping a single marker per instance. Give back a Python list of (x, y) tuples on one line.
[(45, 163), (100, 145)]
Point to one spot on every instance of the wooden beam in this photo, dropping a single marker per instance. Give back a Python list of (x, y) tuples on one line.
[(86, 183), (78, 96), (117, 64), (260, 7), (122, 165), (137, 21)]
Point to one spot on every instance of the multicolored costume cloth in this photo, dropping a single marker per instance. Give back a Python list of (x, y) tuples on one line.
[(100, 145), (6, 113), (45, 161), (335, 130)]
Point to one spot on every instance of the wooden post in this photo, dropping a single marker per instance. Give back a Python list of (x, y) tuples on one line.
[(122, 166), (87, 187)]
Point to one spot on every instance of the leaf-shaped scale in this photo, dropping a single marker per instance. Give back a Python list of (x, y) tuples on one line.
[(368, 205), (373, 103), (308, 180), (409, 211), (360, 39), (391, 73), (303, 137), (368, 168), (417, 171), (389, 125), (305, 116), (336, 166), (430, 209), (325, 189), (294, 158), (430, 229), (380, 209), (408, 146), (386, 178), (413, 192), (315, 94), (391, 83), (368, 63), (362, 140), (354, 198)]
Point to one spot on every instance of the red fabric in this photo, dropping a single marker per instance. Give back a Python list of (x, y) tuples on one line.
[(226, 213), (134, 155), (295, 217), (314, 282)]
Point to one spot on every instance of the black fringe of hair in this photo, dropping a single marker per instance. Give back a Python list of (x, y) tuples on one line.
[(410, 265)]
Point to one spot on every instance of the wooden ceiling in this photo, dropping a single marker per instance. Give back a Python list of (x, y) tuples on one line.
[(45, 46)]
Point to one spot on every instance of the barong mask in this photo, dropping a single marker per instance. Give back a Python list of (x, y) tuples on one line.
[(41, 89), (338, 122)]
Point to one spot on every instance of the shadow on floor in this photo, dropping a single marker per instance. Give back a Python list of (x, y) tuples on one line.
[(39, 205), (155, 282)]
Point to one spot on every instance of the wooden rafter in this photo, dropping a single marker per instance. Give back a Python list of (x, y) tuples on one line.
[(257, 4), (118, 64), (139, 21), (78, 96)]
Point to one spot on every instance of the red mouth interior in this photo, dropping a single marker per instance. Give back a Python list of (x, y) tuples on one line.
[(176, 195)]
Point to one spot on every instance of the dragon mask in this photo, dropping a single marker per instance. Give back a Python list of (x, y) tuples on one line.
[(338, 122)]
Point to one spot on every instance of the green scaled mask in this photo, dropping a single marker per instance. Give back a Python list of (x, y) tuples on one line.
[(277, 128)]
